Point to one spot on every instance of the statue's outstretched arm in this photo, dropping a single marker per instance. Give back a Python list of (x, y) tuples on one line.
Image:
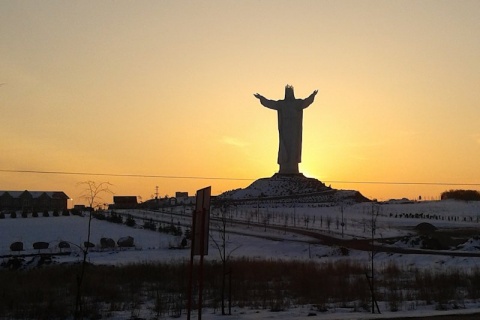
[(271, 104), (309, 100)]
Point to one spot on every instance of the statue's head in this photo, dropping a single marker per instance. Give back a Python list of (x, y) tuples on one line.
[(289, 95)]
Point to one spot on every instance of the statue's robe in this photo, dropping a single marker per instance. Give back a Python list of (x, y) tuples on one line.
[(290, 119)]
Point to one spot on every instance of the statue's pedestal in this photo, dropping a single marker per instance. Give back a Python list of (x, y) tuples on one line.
[(289, 175), (291, 187), (289, 168)]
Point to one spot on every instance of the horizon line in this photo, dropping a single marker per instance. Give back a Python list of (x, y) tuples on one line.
[(229, 178)]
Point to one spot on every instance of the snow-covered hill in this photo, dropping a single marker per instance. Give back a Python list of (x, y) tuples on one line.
[(291, 188)]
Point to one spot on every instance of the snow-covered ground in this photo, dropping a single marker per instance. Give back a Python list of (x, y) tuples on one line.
[(254, 239), (262, 243)]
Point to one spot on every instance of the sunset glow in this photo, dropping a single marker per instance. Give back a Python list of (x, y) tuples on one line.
[(163, 91)]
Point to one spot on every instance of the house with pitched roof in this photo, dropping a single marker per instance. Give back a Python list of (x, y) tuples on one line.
[(33, 200)]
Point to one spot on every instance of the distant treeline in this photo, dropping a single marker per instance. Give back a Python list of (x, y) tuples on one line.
[(466, 195)]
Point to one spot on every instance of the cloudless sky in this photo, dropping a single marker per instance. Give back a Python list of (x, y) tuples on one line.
[(165, 88)]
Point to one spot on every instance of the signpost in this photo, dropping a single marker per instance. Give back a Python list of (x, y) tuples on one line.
[(200, 236), (201, 222)]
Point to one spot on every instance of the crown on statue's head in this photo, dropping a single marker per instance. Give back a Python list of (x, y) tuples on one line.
[(289, 94)]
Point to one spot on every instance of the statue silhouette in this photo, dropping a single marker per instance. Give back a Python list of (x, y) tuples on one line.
[(290, 118)]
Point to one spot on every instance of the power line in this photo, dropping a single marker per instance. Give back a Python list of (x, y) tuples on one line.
[(121, 175), (228, 178)]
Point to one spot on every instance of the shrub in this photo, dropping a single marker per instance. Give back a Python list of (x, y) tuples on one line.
[(16, 246), (76, 212), (13, 214), (150, 225), (188, 234), (272, 284), (64, 245), (88, 244), (99, 215), (40, 245), (184, 242), (126, 242), (107, 243), (114, 217), (130, 221), (465, 195), (179, 231), (171, 229)]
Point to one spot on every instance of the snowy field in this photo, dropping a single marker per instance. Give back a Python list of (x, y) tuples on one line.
[(254, 240), (250, 235)]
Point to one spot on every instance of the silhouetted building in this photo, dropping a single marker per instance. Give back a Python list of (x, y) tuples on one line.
[(33, 200), (180, 194), (125, 202)]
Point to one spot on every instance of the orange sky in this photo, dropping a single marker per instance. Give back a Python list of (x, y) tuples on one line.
[(165, 88)]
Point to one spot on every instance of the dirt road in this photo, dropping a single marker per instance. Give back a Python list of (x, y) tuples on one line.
[(365, 244)]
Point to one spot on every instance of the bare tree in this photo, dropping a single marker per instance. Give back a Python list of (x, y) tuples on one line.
[(91, 193), (342, 210), (306, 220), (221, 245), (372, 225), (329, 222)]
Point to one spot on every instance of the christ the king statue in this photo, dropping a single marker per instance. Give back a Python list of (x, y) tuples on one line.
[(290, 118)]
